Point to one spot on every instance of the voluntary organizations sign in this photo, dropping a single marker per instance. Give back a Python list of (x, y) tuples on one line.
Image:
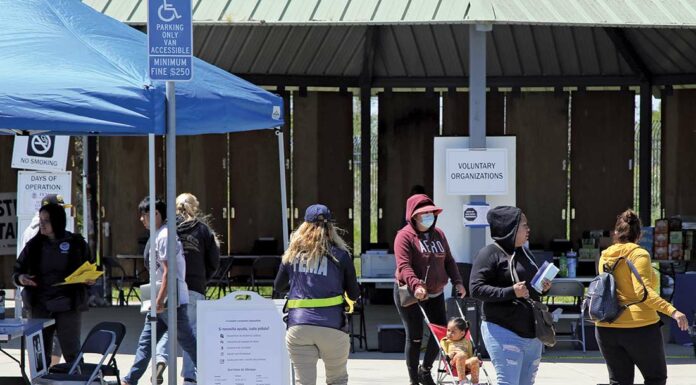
[(477, 171), (40, 152), (170, 40)]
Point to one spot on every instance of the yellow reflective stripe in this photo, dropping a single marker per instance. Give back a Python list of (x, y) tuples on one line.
[(315, 302)]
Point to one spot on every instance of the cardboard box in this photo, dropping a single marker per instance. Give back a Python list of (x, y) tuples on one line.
[(675, 224), (588, 254), (661, 239), (647, 239), (377, 265), (661, 226), (676, 237), (676, 252), (661, 252)]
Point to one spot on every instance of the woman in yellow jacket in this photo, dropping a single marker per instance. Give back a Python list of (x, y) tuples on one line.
[(634, 339)]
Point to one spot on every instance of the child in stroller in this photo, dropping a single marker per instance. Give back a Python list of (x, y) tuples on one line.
[(460, 350)]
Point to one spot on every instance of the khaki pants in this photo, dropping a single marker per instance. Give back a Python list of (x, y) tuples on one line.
[(307, 343)]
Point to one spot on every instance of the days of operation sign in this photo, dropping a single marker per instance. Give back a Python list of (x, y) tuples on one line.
[(170, 40)]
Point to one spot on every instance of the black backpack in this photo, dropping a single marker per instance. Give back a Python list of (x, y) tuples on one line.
[(600, 300)]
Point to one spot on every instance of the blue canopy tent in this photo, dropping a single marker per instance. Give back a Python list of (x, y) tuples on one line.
[(67, 69)]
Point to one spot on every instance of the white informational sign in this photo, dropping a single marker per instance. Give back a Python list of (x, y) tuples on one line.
[(8, 223), (474, 215), (32, 187), (243, 337), (40, 152), (450, 221), (477, 171)]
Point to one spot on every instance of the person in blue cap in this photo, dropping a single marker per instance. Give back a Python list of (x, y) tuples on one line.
[(318, 269)]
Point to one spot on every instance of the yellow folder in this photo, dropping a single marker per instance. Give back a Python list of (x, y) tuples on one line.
[(86, 272)]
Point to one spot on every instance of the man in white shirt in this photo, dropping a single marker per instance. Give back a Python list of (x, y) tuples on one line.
[(185, 335)]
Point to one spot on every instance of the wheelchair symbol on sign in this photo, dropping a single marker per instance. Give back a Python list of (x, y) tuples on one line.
[(167, 8)]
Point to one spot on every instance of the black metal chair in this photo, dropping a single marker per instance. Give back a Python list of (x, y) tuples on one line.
[(263, 271), (572, 312), (101, 342), (110, 368), (220, 281), (361, 336)]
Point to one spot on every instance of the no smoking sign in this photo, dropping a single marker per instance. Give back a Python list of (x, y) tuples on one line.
[(40, 152)]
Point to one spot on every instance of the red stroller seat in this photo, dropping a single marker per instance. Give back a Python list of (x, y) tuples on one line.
[(444, 367)]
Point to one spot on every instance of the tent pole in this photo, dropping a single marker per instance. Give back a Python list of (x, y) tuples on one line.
[(152, 263), (283, 187), (477, 114), (172, 285), (85, 170)]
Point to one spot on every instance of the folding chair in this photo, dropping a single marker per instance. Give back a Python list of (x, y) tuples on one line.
[(102, 342), (572, 312), (220, 281), (110, 368), (361, 336), (264, 271)]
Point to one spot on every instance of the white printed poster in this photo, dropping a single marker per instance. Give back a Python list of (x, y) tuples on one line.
[(242, 341), (8, 223), (33, 186)]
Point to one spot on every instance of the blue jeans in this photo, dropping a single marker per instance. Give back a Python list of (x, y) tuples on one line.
[(516, 359), (187, 341), (188, 371)]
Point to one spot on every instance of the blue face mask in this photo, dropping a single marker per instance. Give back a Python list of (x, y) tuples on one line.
[(427, 219)]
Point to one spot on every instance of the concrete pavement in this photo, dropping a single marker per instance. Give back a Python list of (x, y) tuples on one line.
[(560, 365)]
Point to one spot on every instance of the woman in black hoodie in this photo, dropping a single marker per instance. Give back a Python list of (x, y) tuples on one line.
[(501, 278)]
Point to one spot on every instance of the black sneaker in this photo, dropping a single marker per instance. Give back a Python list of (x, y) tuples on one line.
[(160, 372), (424, 376)]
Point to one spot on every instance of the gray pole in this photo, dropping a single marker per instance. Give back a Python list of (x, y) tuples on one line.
[(283, 187), (645, 155), (85, 169), (365, 167), (152, 263), (172, 285), (477, 114)]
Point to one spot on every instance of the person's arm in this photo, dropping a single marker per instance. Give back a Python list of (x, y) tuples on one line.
[(350, 282), (483, 273), (162, 295), (21, 268), (654, 301), (403, 262), (212, 256), (282, 279)]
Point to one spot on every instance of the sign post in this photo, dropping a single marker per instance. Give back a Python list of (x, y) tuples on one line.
[(170, 58)]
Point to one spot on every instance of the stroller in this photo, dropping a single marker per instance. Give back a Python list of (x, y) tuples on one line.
[(444, 368)]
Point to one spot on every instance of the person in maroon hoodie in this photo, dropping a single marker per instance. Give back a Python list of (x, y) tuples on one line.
[(424, 263)]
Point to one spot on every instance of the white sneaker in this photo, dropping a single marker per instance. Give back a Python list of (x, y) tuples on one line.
[(189, 382)]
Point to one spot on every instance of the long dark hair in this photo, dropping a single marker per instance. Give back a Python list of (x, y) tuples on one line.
[(627, 227), (56, 214)]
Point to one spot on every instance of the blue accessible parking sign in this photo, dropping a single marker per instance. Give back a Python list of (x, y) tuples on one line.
[(170, 40)]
